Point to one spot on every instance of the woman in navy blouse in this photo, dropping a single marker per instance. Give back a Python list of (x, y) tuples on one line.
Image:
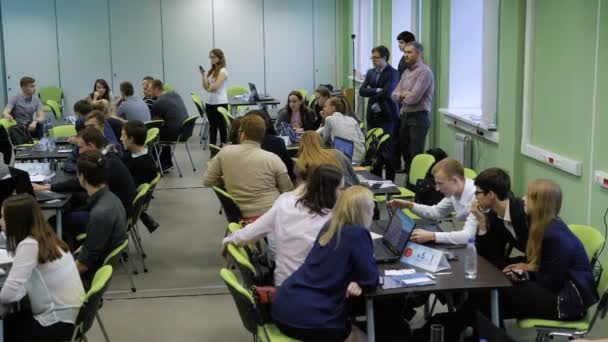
[(311, 303)]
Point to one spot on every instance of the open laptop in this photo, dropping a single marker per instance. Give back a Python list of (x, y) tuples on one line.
[(390, 248), (345, 146), (255, 96), (290, 132), (24, 185)]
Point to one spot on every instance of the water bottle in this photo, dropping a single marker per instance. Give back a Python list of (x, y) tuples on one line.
[(50, 136), (470, 260)]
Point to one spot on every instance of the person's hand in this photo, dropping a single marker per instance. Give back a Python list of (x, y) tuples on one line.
[(517, 275), (33, 125), (422, 236), (353, 290), (401, 204), (9, 117), (95, 95), (403, 94), (480, 216), (519, 266), (41, 187)]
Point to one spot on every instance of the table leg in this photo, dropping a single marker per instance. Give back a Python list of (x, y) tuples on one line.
[(58, 217), (369, 307), (494, 307)]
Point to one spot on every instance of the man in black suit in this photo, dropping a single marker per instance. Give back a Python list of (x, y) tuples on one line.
[(504, 223)]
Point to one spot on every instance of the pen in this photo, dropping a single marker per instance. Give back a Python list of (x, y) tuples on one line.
[(430, 275), (443, 273)]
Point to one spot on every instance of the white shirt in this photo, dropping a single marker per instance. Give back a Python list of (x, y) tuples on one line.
[(461, 205), (54, 289), (507, 220), (294, 231), (220, 95)]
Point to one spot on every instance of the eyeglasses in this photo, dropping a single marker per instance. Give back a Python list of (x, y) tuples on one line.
[(477, 193), (375, 57)]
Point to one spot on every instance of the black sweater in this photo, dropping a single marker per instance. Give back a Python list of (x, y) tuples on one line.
[(142, 168)]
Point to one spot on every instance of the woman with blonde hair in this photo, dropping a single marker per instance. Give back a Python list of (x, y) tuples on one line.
[(311, 303)]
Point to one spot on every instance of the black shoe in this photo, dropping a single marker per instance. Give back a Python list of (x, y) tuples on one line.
[(149, 222)]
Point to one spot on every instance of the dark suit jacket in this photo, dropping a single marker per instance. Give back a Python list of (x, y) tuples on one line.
[(388, 80), (276, 145), (402, 66), (493, 245)]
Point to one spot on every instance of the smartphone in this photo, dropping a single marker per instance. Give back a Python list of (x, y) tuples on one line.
[(376, 185), (200, 67)]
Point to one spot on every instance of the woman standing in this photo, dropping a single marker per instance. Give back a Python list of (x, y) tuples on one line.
[(296, 114), (44, 270), (214, 82)]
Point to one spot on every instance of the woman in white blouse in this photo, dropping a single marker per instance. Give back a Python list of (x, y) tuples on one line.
[(294, 221), (44, 270), (214, 82)]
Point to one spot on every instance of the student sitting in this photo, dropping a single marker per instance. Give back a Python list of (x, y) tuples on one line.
[(97, 120), (311, 154), (43, 270), (459, 195), (147, 96), (294, 221), (82, 108), (268, 175), (26, 108), (106, 227), (337, 124), (101, 94), (129, 107), (504, 222), (322, 94), (296, 114), (311, 303)]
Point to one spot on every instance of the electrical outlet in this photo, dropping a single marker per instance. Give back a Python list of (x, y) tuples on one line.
[(601, 178)]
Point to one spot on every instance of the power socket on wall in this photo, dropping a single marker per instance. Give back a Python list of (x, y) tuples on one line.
[(601, 178)]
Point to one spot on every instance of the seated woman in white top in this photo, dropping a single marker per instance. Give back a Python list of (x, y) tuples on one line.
[(337, 124), (294, 221), (44, 270)]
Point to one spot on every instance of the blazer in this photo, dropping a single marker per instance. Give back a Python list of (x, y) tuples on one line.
[(276, 145), (309, 119), (387, 82)]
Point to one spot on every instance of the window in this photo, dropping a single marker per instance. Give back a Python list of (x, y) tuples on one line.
[(404, 18), (363, 29), (473, 63)]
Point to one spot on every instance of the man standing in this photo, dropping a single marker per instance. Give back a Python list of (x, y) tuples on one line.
[(403, 39), (26, 108), (415, 94)]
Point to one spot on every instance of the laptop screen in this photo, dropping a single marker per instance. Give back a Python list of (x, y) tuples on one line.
[(345, 146), (22, 181), (398, 232), (254, 93)]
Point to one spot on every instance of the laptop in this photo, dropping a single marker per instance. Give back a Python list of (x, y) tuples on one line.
[(255, 96), (290, 132), (390, 248), (345, 146), (24, 185)]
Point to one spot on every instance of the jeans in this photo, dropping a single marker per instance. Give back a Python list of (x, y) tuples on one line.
[(414, 127)]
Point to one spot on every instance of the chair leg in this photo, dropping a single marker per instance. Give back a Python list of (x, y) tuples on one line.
[(140, 248), (156, 158), (190, 156), (540, 336), (175, 159), (103, 329), (127, 269)]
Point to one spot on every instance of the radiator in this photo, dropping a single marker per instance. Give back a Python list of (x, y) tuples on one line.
[(463, 150)]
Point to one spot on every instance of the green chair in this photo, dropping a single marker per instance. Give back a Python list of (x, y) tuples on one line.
[(152, 136), (250, 313), (236, 90), (200, 107), (91, 304), (228, 118), (115, 257), (304, 93), (53, 94), (469, 173), (154, 123), (6, 124), (591, 239), (311, 101), (185, 133), (168, 88), (233, 227), (228, 204), (64, 131), (239, 257), (137, 207), (213, 150), (571, 329), (55, 109), (292, 151)]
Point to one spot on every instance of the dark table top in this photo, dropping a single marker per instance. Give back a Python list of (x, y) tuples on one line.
[(60, 176), (29, 153), (237, 101), (392, 190)]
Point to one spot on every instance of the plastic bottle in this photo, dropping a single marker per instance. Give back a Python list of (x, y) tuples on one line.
[(470, 260)]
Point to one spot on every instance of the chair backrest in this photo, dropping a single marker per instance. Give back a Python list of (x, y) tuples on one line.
[(198, 103), (371, 134), (236, 90), (154, 123), (421, 164), (243, 299), (50, 93), (154, 182), (591, 238), (92, 299), (64, 131), (602, 290), (469, 173), (187, 128), (312, 100), (233, 227), (231, 208), (213, 150), (138, 203), (112, 258), (241, 259), (227, 116), (304, 93), (152, 135), (55, 108), (7, 124)]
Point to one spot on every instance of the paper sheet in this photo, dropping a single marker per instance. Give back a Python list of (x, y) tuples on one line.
[(375, 236), (4, 257)]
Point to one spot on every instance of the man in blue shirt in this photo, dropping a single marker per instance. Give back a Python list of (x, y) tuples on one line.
[(130, 107), (26, 108)]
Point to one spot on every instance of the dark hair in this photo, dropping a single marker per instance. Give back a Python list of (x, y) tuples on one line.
[(103, 82), (269, 126), (127, 88), (406, 37), (137, 130), (320, 194), (235, 131), (495, 180), (148, 78), (82, 107), (323, 91), (157, 84), (92, 166), (383, 51), (93, 136), (98, 116), (25, 81), (303, 108), (254, 127), (23, 217), (221, 62)]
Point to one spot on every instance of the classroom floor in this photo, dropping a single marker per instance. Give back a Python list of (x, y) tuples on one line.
[(182, 297)]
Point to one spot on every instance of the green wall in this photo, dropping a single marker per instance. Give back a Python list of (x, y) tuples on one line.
[(563, 94)]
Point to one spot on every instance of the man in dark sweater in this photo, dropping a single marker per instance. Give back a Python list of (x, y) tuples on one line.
[(170, 107), (106, 228), (504, 223)]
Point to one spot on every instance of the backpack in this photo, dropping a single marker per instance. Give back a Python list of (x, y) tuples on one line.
[(425, 188), (374, 145), (20, 135)]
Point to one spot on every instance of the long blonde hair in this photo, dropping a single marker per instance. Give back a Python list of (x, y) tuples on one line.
[(311, 155), (354, 206), (543, 201)]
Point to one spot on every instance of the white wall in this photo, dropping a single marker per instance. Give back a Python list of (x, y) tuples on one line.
[(278, 45)]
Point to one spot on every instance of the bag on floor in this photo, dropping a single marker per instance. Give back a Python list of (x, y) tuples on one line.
[(20, 135)]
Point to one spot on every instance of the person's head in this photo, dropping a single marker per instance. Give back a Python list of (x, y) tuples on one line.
[(380, 56), (354, 207), (252, 128), (413, 52), (22, 218), (269, 126), (82, 108), (95, 119), (217, 61), (323, 94), (133, 134), (91, 169), (311, 155), (157, 88), (28, 86), (146, 84), (147, 78), (335, 104), (295, 102), (542, 203), (323, 188), (235, 131), (126, 89), (102, 88), (492, 186), (90, 139), (449, 178), (403, 38)]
